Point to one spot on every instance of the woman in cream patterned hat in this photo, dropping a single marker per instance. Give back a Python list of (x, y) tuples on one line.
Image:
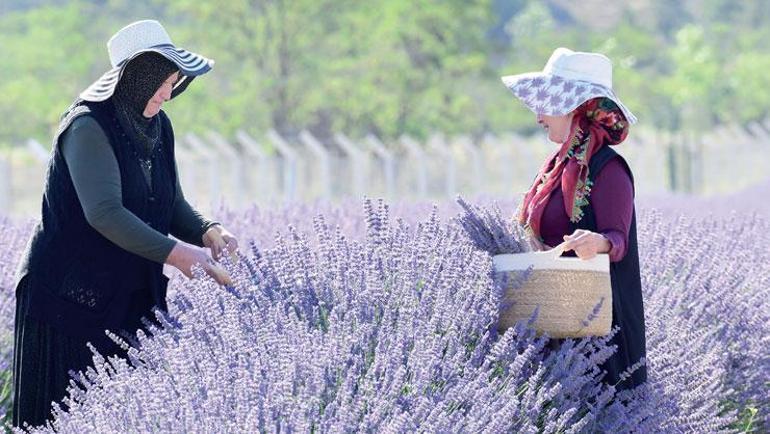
[(584, 192)]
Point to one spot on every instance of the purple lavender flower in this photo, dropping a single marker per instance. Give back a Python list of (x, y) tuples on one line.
[(488, 230), (383, 319)]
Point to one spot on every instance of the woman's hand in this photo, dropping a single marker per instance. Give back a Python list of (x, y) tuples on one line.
[(219, 239), (184, 256), (587, 244)]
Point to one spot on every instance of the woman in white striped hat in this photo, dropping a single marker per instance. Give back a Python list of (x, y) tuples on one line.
[(112, 197)]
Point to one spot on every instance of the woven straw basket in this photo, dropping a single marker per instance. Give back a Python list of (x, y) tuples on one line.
[(567, 289)]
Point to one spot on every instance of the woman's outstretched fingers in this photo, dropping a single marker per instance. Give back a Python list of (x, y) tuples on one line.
[(219, 274), (232, 243), (219, 248), (214, 241), (219, 245), (220, 240), (232, 248)]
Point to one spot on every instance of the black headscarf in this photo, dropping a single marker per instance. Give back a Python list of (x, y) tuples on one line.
[(141, 78)]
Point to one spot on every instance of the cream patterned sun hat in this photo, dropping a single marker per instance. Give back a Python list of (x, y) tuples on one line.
[(569, 79), (137, 38)]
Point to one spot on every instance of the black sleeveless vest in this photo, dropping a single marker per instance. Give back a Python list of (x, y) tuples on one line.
[(80, 281), (627, 306)]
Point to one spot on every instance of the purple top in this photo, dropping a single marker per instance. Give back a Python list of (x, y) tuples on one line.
[(612, 197)]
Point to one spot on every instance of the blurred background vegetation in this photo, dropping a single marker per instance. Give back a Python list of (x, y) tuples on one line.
[(395, 66)]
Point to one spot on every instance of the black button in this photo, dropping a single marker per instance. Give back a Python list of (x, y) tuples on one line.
[(151, 198)]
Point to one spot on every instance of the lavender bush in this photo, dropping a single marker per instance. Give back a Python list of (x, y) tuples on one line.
[(705, 279), (396, 333), (14, 237), (368, 323), (488, 230), (713, 277)]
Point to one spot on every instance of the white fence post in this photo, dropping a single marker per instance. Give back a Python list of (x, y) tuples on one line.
[(416, 156), (212, 165), (761, 135), (500, 163), (290, 161), (38, 151), (439, 146), (254, 151), (465, 144), (226, 151), (357, 158), (388, 163), (323, 163)]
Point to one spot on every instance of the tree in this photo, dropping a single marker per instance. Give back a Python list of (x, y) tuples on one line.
[(402, 67), (47, 58)]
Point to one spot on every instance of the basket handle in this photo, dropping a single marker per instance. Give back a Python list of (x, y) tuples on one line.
[(555, 252)]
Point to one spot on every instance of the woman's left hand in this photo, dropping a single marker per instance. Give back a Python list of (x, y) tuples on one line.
[(587, 244), (219, 239)]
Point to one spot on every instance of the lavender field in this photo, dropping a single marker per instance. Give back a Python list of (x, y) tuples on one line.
[(364, 317)]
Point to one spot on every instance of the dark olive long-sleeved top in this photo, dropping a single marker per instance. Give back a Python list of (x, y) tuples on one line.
[(96, 177)]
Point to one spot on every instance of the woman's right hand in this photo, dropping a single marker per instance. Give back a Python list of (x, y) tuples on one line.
[(184, 256)]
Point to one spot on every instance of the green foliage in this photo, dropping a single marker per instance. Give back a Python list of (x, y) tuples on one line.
[(43, 64), (396, 68), (340, 65)]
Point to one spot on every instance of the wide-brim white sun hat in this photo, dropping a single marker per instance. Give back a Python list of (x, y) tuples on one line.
[(141, 37), (569, 79)]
